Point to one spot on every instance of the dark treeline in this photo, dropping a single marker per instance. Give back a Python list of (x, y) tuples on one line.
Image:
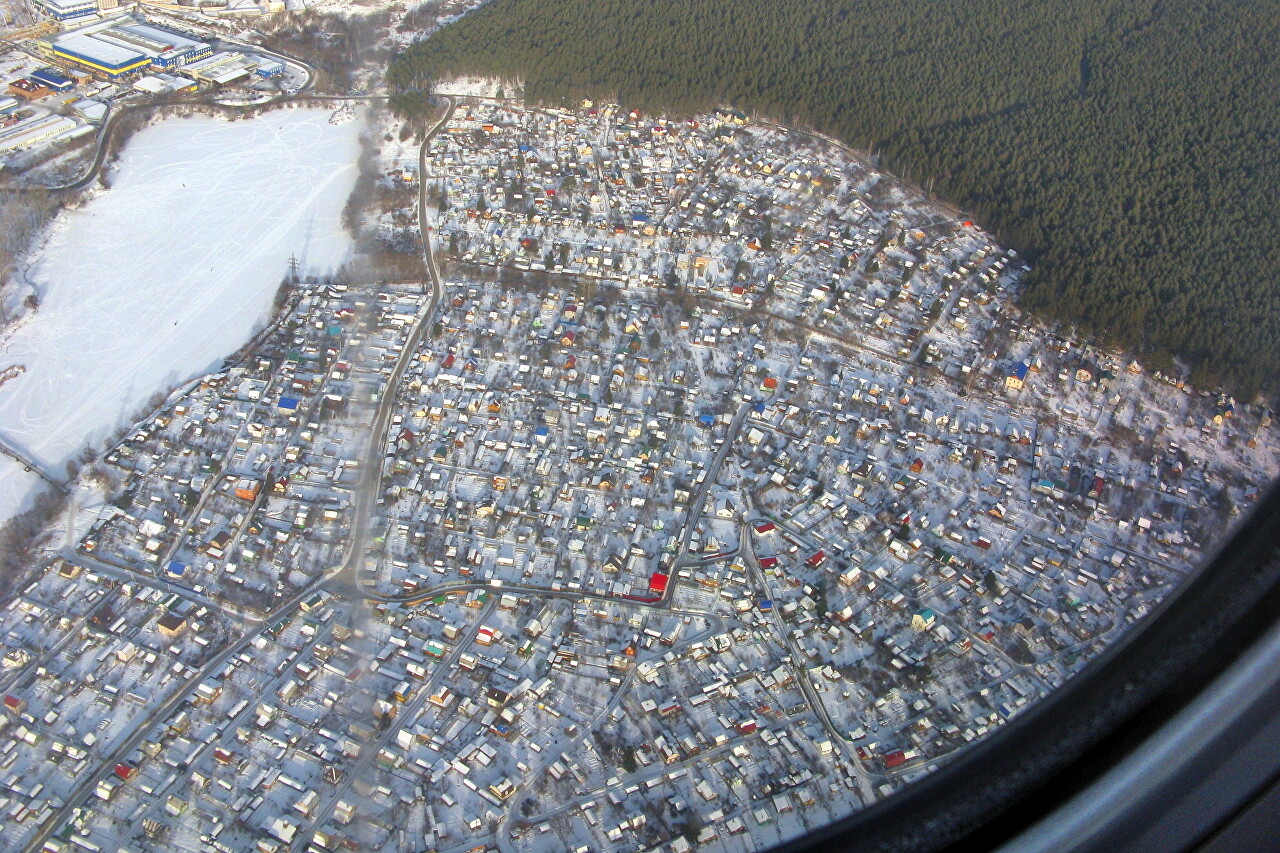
[(23, 216), (1127, 147), (334, 45)]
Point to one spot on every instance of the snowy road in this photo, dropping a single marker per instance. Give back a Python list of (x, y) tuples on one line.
[(157, 280)]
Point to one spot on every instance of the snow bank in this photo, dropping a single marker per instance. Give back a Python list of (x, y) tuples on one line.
[(160, 278), (474, 87)]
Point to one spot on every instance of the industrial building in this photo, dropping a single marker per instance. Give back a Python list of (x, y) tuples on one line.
[(90, 110), (270, 68), (29, 90), (97, 55), (220, 69), (66, 10), (162, 84), (34, 130), (166, 49), (54, 79), (119, 46)]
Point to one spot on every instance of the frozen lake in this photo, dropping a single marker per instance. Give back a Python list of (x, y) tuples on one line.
[(167, 273)]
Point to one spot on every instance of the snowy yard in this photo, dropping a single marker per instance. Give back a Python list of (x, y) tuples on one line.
[(158, 279)]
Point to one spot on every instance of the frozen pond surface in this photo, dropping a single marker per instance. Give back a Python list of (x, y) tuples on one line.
[(160, 278)]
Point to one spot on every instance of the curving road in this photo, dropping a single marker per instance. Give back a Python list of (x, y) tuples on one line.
[(371, 479), (838, 737), (139, 729), (502, 836), (343, 578), (359, 534), (32, 465)]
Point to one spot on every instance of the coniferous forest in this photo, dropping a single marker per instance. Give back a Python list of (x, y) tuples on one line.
[(1129, 148)]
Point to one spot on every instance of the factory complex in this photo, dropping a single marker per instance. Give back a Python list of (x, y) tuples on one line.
[(66, 10), (80, 65), (121, 45)]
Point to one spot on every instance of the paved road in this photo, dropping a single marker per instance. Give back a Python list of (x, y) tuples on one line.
[(268, 692), (371, 479), (956, 627), (840, 738), (343, 577), (712, 472), (369, 752), (128, 574), (31, 465), (139, 728), (52, 652), (656, 771), (114, 114), (502, 836), (359, 533)]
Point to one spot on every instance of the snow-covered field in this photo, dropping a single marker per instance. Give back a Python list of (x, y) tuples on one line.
[(474, 87), (158, 279)]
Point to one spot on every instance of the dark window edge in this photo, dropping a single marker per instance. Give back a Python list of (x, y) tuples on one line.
[(998, 788)]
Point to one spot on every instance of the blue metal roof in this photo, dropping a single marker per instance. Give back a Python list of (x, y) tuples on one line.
[(111, 58), (52, 78)]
